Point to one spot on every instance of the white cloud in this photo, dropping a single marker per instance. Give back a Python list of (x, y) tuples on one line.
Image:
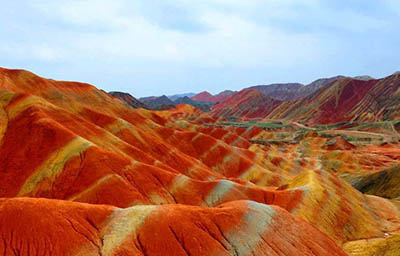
[(82, 12), (232, 40), (41, 52), (393, 5), (46, 53)]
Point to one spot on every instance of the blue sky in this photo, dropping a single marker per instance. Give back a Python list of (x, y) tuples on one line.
[(164, 47)]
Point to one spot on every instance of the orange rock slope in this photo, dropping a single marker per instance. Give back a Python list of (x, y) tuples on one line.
[(88, 175)]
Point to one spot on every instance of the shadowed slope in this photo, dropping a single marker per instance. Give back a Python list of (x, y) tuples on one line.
[(129, 99), (384, 183)]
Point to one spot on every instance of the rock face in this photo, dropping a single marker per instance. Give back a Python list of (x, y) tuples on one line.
[(208, 97), (327, 100), (203, 96), (220, 97), (88, 175), (282, 92), (316, 85), (249, 103), (129, 99), (293, 91), (346, 100), (162, 102), (324, 101)]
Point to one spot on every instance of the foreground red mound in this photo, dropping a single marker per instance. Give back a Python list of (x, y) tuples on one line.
[(237, 228)]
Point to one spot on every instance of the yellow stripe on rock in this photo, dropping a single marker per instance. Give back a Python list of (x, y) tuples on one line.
[(219, 191), (256, 221), (258, 175), (24, 104), (97, 184), (179, 183), (5, 97), (54, 164), (123, 223), (117, 126), (120, 124)]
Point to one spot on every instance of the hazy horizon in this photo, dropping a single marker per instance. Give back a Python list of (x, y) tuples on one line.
[(183, 46)]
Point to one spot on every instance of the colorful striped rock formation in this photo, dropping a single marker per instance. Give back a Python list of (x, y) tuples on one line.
[(82, 173), (339, 99)]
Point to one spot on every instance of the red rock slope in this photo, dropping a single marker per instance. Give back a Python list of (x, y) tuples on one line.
[(248, 103)]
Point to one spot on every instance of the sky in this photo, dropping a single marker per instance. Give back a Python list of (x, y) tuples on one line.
[(156, 47)]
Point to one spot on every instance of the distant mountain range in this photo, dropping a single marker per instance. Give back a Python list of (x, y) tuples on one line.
[(162, 102), (325, 100), (278, 91), (332, 100)]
